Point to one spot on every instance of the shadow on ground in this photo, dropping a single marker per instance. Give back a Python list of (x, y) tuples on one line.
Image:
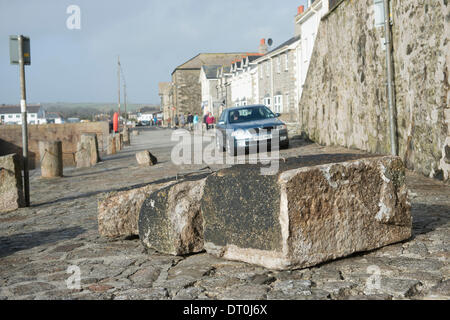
[(428, 217), (23, 241)]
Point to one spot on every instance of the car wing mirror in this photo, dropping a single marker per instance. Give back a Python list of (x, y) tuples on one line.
[(277, 115)]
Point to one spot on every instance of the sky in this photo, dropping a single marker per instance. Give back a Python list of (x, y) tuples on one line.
[(152, 38)]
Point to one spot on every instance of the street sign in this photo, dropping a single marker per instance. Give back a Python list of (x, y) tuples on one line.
[(14, 50)]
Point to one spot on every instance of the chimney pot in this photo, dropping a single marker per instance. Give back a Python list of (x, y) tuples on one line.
[(263, 41), (300, 9)]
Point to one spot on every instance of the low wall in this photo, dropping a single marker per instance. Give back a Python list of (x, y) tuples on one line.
[(68, 133)]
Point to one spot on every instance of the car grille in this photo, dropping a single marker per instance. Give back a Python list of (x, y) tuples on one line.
[(268, 129)]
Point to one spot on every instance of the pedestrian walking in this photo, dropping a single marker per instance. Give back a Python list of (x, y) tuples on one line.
[(190, 120), (182, 120), (176, 120), (209, 121), (195, 121)]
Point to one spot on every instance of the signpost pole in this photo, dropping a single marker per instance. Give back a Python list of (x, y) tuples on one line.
[(23, 108)]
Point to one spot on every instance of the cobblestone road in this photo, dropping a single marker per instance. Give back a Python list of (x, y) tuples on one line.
[(39, 244)]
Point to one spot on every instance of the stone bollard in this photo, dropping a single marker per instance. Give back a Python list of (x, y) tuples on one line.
[(51, 159), (90, 139), (126, 136), (145, 158), (87, 151), (111, 149), (11, 191), (119, 141)]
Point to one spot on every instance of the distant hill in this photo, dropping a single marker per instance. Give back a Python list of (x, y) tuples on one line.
[(88, 110)]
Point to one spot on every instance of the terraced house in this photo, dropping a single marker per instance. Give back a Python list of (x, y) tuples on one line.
[(186, 88), (277, 85)]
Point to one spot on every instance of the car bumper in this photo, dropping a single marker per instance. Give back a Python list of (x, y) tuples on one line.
[(255, 140)]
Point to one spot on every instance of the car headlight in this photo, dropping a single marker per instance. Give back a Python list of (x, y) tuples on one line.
[(281, 127), (241, 134)]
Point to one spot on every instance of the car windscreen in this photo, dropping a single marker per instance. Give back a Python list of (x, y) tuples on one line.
[(250, 114)]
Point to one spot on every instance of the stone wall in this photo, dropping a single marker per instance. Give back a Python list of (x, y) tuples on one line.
[(344, 97), (187, 91), (68, 133)]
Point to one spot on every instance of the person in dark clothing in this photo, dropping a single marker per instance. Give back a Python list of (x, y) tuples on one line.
[(190, 120), (204, 120), (176, 121)]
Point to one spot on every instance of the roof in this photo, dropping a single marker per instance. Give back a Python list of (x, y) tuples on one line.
[(53, 115), (211, 71), (254, 57), (164, 87), (11, 109), (201, 59), (286, 43)]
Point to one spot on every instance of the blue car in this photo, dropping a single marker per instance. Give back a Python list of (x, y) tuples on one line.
[(249, 126)]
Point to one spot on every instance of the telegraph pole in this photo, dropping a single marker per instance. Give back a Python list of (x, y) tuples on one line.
[(23, 109), (125, 100), (118, 87)]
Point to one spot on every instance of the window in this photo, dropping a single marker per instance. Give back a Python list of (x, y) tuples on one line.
[(10, 116), (222, 117), (267, 101), (17, 116), (379, 12), (278, 103), (250, 114), (33, 115)]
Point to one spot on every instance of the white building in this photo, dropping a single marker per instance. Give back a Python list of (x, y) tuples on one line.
[(11, 114), (54, 117), (209, 82), (244, 81), (148, 116), (306, 26)]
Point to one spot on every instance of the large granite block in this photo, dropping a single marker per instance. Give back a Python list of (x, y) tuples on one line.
[(170, 220), (118, 212), (310, 212)]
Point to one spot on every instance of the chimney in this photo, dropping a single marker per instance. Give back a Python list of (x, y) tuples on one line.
[(263, 46), (300, 9)]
